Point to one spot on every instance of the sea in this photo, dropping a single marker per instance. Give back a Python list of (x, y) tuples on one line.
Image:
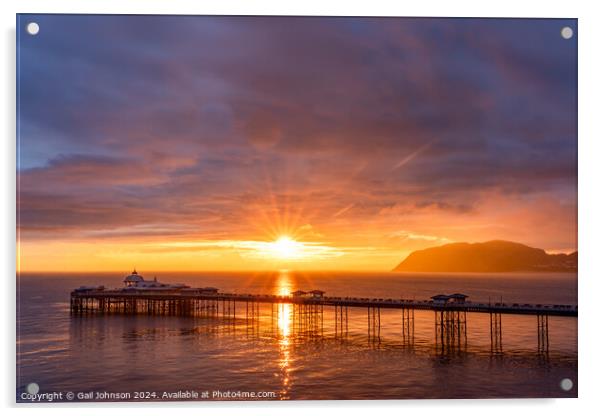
[(109, 357)]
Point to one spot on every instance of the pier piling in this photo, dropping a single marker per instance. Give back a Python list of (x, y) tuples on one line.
[(495, 330)]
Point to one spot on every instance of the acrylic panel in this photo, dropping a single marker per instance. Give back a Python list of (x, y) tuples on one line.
[(295, 208)]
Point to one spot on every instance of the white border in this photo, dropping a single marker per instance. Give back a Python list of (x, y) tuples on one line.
[(590, 203)]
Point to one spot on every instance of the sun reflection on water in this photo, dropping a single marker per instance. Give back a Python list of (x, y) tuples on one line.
[(284, 330)]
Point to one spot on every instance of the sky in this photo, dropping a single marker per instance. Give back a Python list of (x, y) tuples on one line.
[(256, 143)]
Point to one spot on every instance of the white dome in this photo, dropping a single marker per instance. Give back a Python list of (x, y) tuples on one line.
[(134, 277)]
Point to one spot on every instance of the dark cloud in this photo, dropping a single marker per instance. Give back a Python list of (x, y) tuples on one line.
[(126, 121)]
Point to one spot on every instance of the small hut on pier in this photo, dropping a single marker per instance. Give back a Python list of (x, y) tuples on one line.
[(298, 293), (317, 293), (440, 299), (458, 298)]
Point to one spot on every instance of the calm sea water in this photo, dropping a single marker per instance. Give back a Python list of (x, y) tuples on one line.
[(129, 354)]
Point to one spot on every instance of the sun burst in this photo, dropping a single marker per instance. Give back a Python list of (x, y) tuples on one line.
[(287, 249)]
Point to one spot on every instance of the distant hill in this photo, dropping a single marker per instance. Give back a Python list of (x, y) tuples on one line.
[(489, 257)]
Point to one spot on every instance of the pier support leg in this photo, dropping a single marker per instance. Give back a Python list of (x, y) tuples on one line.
[(341, 319), (543, 341), (450, 331), (373, 323), (407, 326), (495, 331)]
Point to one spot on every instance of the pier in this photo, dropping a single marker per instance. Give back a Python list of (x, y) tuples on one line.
[(450, 311)]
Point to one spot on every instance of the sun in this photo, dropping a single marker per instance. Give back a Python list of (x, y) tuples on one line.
[(286, 248)]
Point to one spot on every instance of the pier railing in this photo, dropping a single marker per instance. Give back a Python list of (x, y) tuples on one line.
[(467, 306)]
